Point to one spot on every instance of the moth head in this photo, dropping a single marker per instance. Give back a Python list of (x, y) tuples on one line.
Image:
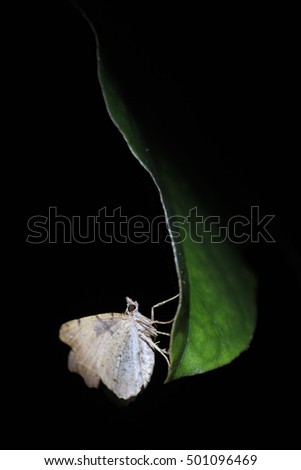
[(131, 305)]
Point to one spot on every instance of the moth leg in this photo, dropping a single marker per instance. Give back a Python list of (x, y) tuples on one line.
[(163, 332), (166, 351), (154, 345), (163, 322), (159, 305), (163, 352)]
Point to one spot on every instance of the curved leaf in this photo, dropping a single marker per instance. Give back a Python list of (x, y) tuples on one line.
[(216, 317)]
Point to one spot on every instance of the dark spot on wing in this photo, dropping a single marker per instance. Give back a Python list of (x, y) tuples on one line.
[(103, 326), (131, 307)]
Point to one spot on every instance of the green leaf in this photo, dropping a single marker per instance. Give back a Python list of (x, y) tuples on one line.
[(216, 316)]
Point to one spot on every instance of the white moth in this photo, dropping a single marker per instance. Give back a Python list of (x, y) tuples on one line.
[(114, 348)]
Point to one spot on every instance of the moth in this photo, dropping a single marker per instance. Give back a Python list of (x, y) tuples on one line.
[(116, 349)]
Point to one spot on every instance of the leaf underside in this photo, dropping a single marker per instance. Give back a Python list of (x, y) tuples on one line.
[(216, 316)]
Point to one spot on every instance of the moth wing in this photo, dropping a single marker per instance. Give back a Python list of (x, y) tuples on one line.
[(89, 337), (131, 365), (110, 349)]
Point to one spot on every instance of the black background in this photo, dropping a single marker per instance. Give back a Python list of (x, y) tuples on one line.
[(70, 155)]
